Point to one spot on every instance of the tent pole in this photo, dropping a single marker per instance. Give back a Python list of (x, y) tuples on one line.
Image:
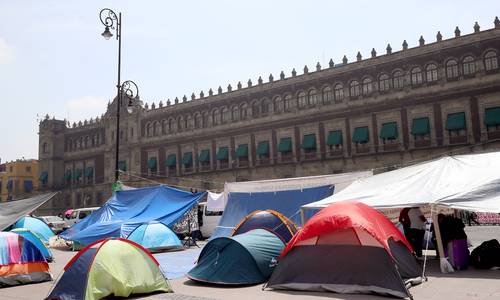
[(443, 261)]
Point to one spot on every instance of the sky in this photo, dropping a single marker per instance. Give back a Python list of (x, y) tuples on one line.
[(54, 61)]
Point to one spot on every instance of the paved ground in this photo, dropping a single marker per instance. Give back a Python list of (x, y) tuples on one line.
[(470, 284)]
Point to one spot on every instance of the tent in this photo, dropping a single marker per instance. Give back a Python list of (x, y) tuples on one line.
[(286, 202), (247, 258), (20, 261), (128, 209), (155, 236), (37, 226), (107, 267), (270, 220), (35, 240), (12, 211), (365, 253)]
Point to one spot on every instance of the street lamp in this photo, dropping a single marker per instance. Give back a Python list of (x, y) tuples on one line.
[(109, 19)]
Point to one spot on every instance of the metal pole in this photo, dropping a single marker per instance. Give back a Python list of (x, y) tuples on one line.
[(119, 94)]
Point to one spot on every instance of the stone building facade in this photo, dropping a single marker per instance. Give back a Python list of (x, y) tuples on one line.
[(376, 113), (18, 179)]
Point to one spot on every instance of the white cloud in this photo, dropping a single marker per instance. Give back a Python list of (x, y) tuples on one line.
[(5, 52), (87, 104)]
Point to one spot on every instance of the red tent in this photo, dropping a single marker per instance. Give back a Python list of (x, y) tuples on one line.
[(348, 247)]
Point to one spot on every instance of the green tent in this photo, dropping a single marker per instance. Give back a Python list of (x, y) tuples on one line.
[(247, 258)]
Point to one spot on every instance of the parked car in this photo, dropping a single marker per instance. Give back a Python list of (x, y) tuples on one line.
[(55, 223), (79, 214)]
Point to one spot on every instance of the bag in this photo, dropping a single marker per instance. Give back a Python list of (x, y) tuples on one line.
[(458, 253), (486, 255)]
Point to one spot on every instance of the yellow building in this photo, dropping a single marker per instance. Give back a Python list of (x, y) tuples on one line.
[(18, 179)]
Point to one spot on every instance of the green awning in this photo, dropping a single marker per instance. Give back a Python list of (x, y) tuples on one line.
[(492, 116), (242, 151), (455, 121), (334, 138), (361, 135), (77, 173), (67, 175), (152, 163), (223, 153), (420, 126), (204, 155), (263, 148), (285, 145), (309, 141), (389, 131), (122, 165), (89, 172), (171, 160), (187, 159), (44, 176)]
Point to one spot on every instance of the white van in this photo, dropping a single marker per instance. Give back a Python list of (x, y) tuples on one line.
[(79, 214), (209, 220)]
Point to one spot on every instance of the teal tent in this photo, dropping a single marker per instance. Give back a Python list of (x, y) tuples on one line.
[(155, 236), (37, 226), (247, 258)]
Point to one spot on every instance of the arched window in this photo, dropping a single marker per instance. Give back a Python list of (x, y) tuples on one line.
[(312, 97), (180, 123), (490, 61), (384, 82), (302, 99), (468, 65), (86, 141), (189, 122), (45, 148), (164, 127), (225, 115), (255, 109), (265, 106), (171, 125), (451, 69), (288, 103), (97, 139), (354, 89), (157, 128), (235, 114), (204, 122), (339, 92), (367, 86), (92, 141), (278, 104), (80, 143), (243, 111), (149, 129), (431, 73), (398, 80), (197, 120), (416, 76), (215, 117), (327, 94)]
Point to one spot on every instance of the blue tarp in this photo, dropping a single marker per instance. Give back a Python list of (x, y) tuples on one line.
[(126, 210), (288, 203)]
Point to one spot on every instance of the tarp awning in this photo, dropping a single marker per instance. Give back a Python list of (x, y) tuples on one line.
[(44, 176), (492, 116), (187, 159), (263, 148), (122, 165), (334, 138), (242, 150), (420, 126), (12, 211), (204, 155), (223, 153), (455, 121), (152, 163), (309, 141), (171, 160), (361, 135), (389, 131), (285, 145), (89, 172)]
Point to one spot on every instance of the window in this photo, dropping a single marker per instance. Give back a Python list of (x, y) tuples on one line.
[(468, 65), (431, 73), (215, 117), (265, 106), (225, 115), (156, 130), (235, 113), (243, 111), (490, 61), (255, 109), (28, 169), (354, 89), (416, 76), (288, 103), (149, 129), (171, 126), (339, 92), (189, 122), (398, 80), (312, 97), (197, 120), (45, 147), (180, 123), (451, 69), (278, 105), (367, 86), (164, 127), (384, 83), (327, 94), (302, 100)]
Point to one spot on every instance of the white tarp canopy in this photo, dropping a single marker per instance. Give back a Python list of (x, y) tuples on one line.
[(215, 202), (469, 182)]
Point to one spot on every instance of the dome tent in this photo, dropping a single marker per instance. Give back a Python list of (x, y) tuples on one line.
[(247, 258), (384, 261), (155, 236), (270, 220), (35, 240), (37, 226), (103, 268), (20, 261)]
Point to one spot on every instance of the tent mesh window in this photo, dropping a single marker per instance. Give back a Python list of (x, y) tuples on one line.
[(492, 121), (285, 149), (263, 152), (223, 157), (204, 159), (334, 142), (242, 155)]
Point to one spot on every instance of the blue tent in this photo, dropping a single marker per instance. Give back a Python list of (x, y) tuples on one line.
[(35, 240), (126, 210), (37, 226), (155, 236), (288, 203)]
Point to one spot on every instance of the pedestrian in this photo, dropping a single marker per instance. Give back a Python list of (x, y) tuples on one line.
[(417, 229)]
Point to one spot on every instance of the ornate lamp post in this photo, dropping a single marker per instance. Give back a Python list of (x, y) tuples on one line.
[(109, 19)]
